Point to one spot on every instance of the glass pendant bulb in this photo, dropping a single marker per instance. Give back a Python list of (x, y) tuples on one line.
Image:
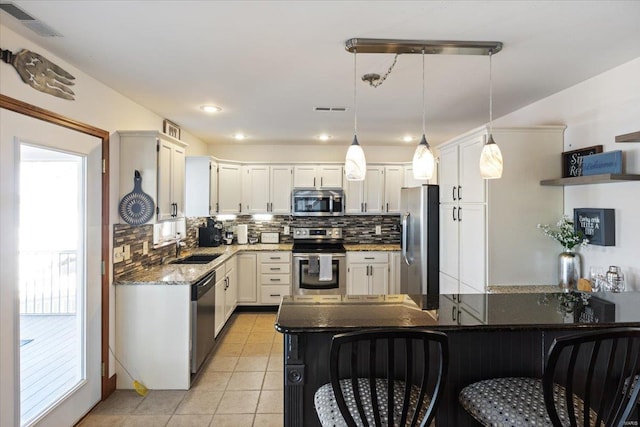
[(355, 164), (423, 160), (491, 160)]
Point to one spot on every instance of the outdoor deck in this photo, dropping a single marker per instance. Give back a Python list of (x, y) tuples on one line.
[(47, 365)]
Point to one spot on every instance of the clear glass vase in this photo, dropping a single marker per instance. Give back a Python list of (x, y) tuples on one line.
[(569, 266)]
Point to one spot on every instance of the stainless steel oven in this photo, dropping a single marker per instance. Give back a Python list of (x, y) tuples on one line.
[(319, 261)]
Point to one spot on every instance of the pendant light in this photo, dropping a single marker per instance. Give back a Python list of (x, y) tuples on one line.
[(423, 160), (355, 164), (491, 157)]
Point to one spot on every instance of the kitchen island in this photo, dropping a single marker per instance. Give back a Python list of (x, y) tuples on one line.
[(490, 335)]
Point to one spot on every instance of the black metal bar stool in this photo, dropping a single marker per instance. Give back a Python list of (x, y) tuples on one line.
[(390, 377), (586, 382)]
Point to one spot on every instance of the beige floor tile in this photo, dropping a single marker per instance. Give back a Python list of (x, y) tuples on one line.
[(229, 349), (232, 420), (246, 381), (269, 420), (263, 326), (256, 349), (273, 381), (158, 402), (235, 338), (145, 420), (98, 420), (221, 364), (242, 328), (271, 402), (212, 381), (279, 338), (238, 402), (277, 348), (252, 363), (120, 402), (261, 337), (199, 402), (276, 363), (190, 421)]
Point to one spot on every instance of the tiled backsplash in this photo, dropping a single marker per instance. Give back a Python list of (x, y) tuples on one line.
[(356, 229)]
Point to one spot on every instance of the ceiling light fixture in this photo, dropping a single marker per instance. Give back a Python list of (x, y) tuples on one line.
[(324, 137), (210, 108), (491, 157), (408, 138), (355, 163), (239, 136), (423, 160)]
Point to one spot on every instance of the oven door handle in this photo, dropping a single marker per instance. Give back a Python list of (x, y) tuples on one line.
[(405, 234), (306, 256)]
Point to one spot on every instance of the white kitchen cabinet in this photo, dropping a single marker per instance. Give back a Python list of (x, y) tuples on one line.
[(220, 289), (501, 214), (247, 278), (366, 196), (317, 176), (267, 189), (367, 273), (160, 159), (393, 181), (231, 293), (229, 188), (201, 182), (394, 272), (274, 272)]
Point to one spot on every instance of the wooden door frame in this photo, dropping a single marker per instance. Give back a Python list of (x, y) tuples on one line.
[(108, 385)]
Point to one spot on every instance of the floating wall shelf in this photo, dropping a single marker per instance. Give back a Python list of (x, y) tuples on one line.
[(592, 179), (629, 137)]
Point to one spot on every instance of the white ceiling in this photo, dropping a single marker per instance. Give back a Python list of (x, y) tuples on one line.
[(268, 63)]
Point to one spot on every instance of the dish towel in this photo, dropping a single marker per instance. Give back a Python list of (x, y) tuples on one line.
[(314, 268), (326, 270)]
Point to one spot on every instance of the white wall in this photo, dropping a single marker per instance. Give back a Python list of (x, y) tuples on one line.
[(96, 105), (595, 111)]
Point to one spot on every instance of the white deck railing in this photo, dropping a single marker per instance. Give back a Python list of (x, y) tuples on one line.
[(48, 282)]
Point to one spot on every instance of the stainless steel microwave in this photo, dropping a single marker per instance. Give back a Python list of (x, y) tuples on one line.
[(329, 202)]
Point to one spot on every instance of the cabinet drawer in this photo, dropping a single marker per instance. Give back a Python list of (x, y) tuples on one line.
[(275, 279), (272, 294), (368, 257), (267, 257), (275, 268)]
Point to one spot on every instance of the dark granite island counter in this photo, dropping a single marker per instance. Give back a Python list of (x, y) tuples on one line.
[(490, 335)]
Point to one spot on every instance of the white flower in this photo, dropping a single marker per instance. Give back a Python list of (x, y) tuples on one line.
[(566, 234)]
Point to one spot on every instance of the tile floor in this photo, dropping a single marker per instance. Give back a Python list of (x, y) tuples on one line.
[(241, 385)]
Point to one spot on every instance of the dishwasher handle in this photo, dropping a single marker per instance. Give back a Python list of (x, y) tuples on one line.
[(203, 285)]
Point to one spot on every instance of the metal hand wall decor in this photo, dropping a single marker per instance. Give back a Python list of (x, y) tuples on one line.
[(40, 73)]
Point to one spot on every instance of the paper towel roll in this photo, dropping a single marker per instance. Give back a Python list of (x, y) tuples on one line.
[(242, 234)]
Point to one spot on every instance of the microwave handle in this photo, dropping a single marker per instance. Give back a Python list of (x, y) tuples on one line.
[(405, 234)]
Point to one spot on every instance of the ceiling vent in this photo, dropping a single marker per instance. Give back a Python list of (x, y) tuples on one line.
[(330, 109), (38, 27)]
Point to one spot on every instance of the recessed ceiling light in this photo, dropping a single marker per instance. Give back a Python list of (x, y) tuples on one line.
[(324, 137), (210, 108), (239, 136), (408, 138)]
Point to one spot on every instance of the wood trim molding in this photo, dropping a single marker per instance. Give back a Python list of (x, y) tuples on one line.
[(6, 102), (629, 137)]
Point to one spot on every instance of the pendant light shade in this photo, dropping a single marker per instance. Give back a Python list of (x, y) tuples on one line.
[(355, 164), (491, 156), (423, 160)]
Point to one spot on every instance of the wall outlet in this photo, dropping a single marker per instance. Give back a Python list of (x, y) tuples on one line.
[(118, 254), (378, 229), (145, 248), (127, 252), (286, 230)]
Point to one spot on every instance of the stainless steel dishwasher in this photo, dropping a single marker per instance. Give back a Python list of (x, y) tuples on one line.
[(203, 306)]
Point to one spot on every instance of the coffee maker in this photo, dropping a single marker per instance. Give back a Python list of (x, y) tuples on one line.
[(211, 235)]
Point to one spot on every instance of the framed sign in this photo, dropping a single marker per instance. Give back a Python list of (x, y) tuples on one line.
[(597, 225), (171, 129), (572, 160)]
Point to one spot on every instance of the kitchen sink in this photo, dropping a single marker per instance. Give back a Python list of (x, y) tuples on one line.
[(196, 259)]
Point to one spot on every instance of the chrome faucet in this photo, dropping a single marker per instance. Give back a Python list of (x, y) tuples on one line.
[(179, 245)]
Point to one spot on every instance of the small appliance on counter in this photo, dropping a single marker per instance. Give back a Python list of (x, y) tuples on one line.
[(242, 230), (228, 237), (211, 235)]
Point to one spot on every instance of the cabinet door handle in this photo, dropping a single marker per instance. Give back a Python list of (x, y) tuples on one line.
[(275, 269), (453, 193), (239, 207), (217, 207), (274, 295), (459, 192), (459, 214), (387, 207), (453, 313), (314, 182), (321, 181), (365, 206), (369, 257), (361, 207), (274, 280), (274, 257), (453, 213)]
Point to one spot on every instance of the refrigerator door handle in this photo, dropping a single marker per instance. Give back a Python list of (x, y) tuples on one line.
[(405, 235)]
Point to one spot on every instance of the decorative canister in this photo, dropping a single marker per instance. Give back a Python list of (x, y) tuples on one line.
[(569, 269)]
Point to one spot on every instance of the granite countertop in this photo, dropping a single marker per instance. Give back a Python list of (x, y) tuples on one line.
[(522, 289), (372, 246), (187, 274)]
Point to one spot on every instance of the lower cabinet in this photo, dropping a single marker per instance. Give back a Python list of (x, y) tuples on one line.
[(458, 309), (247, 278), (274, 276), (226, 289), (367, 273), (394, 272)]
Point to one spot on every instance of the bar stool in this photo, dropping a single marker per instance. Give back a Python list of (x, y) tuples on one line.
[(585, 383), (375, 373)]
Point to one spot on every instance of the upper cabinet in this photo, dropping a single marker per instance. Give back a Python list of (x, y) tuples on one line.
[(379, 193), (160, 159), (229, 188), (201, 180), (317, 176), (267, 188)]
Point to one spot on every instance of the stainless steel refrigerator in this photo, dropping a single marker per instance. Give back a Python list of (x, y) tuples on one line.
[(420, 258)]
